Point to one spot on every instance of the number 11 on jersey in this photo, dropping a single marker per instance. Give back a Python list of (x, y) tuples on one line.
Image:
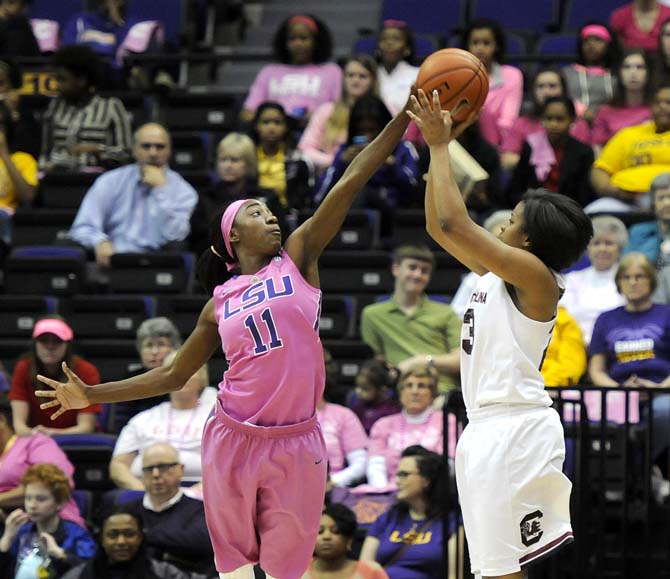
[(260, 346)]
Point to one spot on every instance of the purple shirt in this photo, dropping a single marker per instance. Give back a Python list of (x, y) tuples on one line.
[(369, 414), (296, 87), (634, 342), (35, 449), (422, 559), (269, 327)]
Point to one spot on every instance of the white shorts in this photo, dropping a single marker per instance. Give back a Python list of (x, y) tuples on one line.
[(514, 496)]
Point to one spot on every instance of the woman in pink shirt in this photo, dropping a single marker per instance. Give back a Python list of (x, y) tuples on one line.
[(327, 127), (264, 458), (639, 22), (303, 78), (417, 423), (485, 38), (631, 104)]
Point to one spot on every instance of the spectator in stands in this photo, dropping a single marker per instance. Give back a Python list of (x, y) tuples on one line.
[(18, 178), (333, 545), (155, 339), (591, 82), (81, 130), (19, 453), (653, 237), (631, 344), (173, 523), (407, 539), (632, 98), (123, 553), (417, 423), (494, 225), (36, 541), (26, 129), (662, 57), (179, 422), (303, 78), (16, 33), (281, 167), (327, 127), (394, 184), (639, 22), (236, 178), (395, 55), (548, 82), (138, 208), (373, 397), (346, 443), (591, 291), (113, 34), (552, 159), (623, 172), (565, 359), (410, 328), (485, 38), (52, 345)]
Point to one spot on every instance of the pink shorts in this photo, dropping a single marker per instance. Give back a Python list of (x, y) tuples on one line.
[(263, 489)]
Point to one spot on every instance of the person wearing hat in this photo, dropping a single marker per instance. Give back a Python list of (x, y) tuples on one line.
[(52, 345)]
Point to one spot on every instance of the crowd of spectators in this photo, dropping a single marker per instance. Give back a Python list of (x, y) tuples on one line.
[(597, 130)]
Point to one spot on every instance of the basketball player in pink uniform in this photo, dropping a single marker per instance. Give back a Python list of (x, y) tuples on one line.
[(264, 458), (513, 493)]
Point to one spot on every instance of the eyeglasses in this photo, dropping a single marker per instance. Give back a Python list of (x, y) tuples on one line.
[(404, 474), (162, 468)]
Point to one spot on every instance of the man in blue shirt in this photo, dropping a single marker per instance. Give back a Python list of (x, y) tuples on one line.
[(136, 208)]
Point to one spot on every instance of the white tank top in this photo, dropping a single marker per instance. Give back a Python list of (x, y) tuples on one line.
[(501, 350)]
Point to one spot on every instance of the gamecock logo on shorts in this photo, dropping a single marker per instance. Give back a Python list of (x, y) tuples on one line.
[(531, 528)]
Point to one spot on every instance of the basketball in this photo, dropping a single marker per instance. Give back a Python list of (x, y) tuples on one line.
[(460, 79)]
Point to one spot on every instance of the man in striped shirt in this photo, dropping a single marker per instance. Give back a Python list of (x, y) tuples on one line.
[(82, 130)]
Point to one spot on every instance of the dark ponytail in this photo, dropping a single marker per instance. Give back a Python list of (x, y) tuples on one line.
[(212, 270)]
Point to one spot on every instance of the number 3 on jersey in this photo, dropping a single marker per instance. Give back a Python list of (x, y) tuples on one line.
[(275, 341), (468, 331)]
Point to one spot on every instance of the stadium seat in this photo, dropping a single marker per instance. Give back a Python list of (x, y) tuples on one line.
[(18, 314), (84, 500), (521, 15), (349, 272), (360, 230), (183, 311), (210, 112), (45, 270), (349, 356), (577, 12), (447, 275), (427, 16), (190, 151), (558, 45), (11, 350), (171, 13), (411, 228), (41, 226), (90, 454), (59, 11), (106, 316), (159, 272), (64, 190), (114, 359), (337, 317)]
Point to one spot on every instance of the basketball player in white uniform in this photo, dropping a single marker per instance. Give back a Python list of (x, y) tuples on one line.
[(514, 496)]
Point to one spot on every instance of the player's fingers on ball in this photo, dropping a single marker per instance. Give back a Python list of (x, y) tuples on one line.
[(423, 99), (436, 99)]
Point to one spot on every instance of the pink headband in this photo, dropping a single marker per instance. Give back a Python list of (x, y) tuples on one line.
[(306, 20), (598, 31), (227, 224)]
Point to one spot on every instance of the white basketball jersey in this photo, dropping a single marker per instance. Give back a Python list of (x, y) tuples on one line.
[(501, 350)]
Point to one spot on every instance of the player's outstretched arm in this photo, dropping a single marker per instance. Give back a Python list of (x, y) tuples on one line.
[(309, 240), (452, 227), (195, 352)]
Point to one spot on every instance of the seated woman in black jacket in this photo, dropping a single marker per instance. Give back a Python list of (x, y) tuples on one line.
[(552, 159)]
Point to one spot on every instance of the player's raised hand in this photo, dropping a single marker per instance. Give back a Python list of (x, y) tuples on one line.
[(433, 122), (70, 395)]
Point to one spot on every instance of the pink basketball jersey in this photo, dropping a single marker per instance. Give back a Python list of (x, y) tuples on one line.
[(269, 327)]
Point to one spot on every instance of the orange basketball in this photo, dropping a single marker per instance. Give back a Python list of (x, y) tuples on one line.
[(460, 79)]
